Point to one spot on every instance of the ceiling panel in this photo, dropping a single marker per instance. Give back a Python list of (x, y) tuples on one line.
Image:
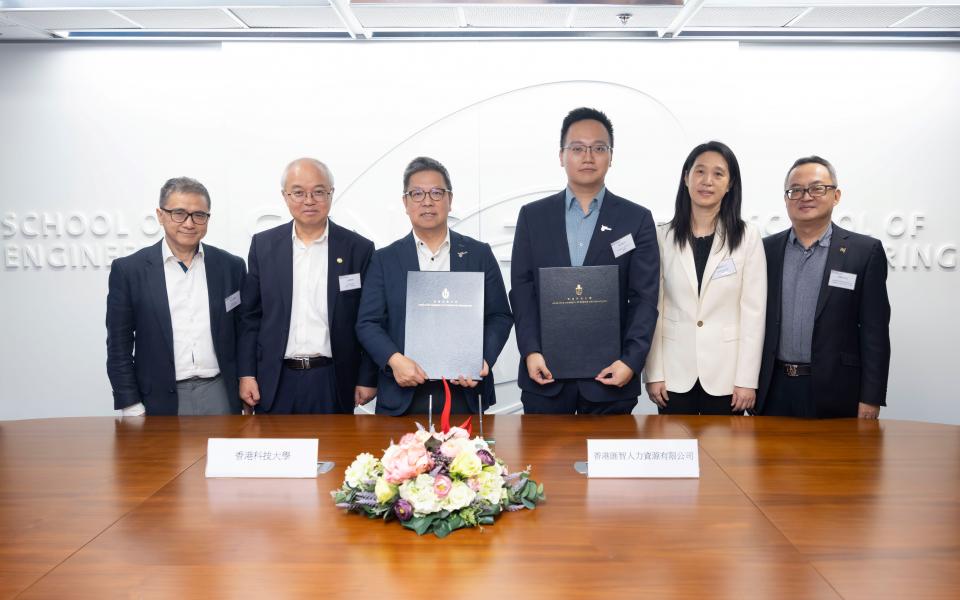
[(182, 18), (642, 17), (529, 17), (410, 17), (317, 17), (743, 16), (942, 17), (848, 17), (69, 19)]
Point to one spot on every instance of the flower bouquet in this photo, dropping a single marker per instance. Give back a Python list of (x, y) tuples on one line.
[(436, 482)]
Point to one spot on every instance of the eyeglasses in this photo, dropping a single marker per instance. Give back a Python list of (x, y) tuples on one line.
[(179, 216), (817, 190), (418, 195), (299, 196), (581, 149)]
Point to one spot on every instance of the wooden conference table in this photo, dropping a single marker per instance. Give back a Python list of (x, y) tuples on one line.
[(105, 508)]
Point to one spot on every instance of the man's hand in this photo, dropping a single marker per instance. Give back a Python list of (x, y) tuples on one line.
[(471, 383), (537, 369), (406, 372), (363, 394), (134, 410), (657, 390), (617, 374), (868, 411), (249, 391), (743, 399)]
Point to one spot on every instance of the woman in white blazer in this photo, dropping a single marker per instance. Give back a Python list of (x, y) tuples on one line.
[(705, 354)]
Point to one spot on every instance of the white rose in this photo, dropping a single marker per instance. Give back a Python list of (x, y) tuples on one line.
[(491, 486), (419, 493), (460, 496), (362, 470)]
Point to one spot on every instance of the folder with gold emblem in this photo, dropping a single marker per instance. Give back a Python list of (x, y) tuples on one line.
[(444, 323), (579, 319)]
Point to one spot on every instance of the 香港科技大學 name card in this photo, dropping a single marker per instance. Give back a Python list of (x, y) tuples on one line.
[(261, 457), (643, 458)]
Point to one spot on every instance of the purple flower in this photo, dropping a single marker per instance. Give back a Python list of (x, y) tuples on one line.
[(403, 510), (486, 458)]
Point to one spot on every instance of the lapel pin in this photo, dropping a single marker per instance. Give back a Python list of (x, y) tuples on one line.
[(461, 253), (843, 249), (339, 261), (605, 228)]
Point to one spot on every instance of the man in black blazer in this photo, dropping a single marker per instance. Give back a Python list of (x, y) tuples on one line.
[(171, 316), (431, 246), (298, 349), (585, 225), (826, 352)]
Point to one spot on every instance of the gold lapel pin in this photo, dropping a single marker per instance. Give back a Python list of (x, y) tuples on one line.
[(340, 260)]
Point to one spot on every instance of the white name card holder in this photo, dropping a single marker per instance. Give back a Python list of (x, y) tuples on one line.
[(641, 458), (261, 457)]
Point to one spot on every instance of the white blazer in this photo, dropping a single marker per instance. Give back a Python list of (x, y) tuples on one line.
[(716, 336)]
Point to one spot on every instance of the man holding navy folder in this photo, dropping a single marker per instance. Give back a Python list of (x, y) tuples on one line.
[(585, 225), (403, 385)]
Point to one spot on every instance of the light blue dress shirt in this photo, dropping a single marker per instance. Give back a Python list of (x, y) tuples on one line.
[(580, 226)]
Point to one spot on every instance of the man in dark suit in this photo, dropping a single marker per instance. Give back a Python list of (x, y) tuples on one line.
[(298, 350), (826, 352), (585, 225), (171, 316), (431, 246)]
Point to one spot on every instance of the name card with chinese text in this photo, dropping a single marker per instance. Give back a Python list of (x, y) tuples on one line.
[(643, 458), (259, 457)]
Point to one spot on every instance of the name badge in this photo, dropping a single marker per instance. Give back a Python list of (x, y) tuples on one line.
[(847, 281), (232, 301), (350, 282), (725, 268), (643, 458), (622, 246), (255, 457)]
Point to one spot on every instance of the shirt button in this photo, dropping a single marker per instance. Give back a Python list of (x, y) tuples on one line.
[(699, 323)]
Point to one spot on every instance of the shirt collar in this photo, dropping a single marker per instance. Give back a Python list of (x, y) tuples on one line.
[(598, 199), (298, 242), (168, 254), (823, 241), (422, 244)]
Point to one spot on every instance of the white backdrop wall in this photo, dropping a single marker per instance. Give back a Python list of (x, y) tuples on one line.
[(90, 132)]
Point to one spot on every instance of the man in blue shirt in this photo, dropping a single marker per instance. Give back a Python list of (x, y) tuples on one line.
[(585, 225)]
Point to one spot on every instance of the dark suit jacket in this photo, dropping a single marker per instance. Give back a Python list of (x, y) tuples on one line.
[(541, 241), (140, 333), (265, 310), (850, 354), (383, 312)]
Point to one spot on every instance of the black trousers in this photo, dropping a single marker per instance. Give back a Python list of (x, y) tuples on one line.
[(570, 402), (789, 397), (697, 402), (308, 392), (420, 404)]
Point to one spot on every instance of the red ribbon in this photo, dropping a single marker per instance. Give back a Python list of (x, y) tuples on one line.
[(445, 415)]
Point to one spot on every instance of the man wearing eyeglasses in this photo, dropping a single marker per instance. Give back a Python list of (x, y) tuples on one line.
[(298, 350), (826, 352), (585, 225), (431, 246), (172, 318)]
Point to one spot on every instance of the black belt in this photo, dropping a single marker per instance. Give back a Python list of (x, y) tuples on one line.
[(307, 362), (793, 370), (197, 378)]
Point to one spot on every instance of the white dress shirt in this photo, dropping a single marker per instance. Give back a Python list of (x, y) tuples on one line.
[(433, 261), (309, 316), (193, 352)]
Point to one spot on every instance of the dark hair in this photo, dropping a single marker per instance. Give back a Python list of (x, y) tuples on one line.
[(425, 163), (732, 226), (585, 114), (806, 160), (182, 185)]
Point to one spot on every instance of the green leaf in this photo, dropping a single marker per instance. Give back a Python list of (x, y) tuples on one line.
[(486, 520), (528, 504)]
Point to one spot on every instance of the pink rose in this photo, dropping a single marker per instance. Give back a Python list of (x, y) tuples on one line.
[(454, 446), (442, 485), (405, 460)]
